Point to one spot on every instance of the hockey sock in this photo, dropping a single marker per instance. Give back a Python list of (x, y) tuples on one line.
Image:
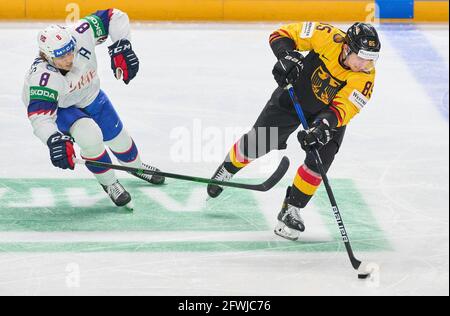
[(125, 150), (89, 138), (104, 176), (305, 185), (236, 160)]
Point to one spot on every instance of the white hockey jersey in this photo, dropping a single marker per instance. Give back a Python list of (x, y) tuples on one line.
[(46, 89)]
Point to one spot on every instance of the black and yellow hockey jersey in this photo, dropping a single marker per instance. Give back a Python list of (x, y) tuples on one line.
[(325, 83)]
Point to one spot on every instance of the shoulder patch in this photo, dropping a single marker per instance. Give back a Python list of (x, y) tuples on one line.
[(358, 99), (97, 26), (307, 30), (43, 93), (338, 38)]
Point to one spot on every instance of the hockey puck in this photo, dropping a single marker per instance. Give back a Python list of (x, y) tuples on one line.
[(365, 270), (363, 276)]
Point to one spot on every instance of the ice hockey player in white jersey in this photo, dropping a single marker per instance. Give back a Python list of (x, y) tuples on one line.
[(66, 105)]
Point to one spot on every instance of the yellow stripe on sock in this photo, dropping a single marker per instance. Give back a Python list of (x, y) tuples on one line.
[(235, 161), (304, 186)]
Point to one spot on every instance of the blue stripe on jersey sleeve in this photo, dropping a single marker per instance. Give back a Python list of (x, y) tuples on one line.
[(39, 107), (105, 16)]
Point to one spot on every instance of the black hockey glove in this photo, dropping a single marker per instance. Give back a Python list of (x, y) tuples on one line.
[(124, 61), (288, 68), (317, 136), (61, 151)]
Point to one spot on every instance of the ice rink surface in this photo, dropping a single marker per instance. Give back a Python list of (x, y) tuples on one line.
[(202, 85)]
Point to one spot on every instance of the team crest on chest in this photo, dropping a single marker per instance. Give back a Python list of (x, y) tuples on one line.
[(325, 86)]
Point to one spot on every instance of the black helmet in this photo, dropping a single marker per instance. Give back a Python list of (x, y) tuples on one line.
[(363, 36)]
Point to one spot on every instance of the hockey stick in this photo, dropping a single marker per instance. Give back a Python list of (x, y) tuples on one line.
[(362, 269), (263, 187)]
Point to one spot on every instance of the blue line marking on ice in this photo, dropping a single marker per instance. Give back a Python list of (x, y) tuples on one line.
[(427, 65)]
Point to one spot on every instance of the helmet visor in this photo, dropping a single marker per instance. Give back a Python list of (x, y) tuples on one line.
[(368, 55), (368, 58)]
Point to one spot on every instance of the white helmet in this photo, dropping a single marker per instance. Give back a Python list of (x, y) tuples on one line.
[(56, 41)]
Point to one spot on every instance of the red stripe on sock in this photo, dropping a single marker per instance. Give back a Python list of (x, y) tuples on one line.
[(239, 157), (95, 159), (308, 176), (126, 151)]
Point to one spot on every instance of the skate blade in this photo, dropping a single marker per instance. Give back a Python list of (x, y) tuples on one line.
[(280, 230)]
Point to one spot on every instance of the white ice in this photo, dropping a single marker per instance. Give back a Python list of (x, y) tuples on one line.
[(219, 76)]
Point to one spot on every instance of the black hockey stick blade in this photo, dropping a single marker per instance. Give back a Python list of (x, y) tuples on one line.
[(263, 187), (276, 176)]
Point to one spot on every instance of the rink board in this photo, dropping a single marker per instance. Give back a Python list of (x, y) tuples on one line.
[(232, 10)]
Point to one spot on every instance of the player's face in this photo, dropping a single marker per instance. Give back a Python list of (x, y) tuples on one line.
[(358, 64), (65, 62)]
